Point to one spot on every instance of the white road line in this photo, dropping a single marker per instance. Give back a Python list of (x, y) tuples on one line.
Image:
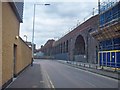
[(52, 86), (46, 77), (93, 73)]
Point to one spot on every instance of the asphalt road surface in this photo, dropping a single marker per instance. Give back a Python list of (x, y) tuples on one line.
[(63, 76)]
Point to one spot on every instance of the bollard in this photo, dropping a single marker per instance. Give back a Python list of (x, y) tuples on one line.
[(96, 67), (102, 67), (84, 65), (32, 62), (115, 69), (89, 65)]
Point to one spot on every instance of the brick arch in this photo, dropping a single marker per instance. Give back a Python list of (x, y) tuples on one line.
[(79, 48)]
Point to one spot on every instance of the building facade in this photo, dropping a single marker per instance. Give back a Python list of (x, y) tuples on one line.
[(77, 44), (108, 34), (47, 49), (14, 52)]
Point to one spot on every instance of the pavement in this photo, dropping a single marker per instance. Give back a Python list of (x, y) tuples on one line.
[(105, 72), (31, 77)]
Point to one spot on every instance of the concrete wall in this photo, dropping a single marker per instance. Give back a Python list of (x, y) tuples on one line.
[(0, 45), (10, 37)]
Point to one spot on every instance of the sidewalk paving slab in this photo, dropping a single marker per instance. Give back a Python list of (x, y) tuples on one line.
[(31, 77)]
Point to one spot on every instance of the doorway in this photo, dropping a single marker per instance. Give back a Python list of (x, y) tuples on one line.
[(14, 59)]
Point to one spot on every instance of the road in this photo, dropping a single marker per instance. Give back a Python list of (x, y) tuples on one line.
[(64, 76)]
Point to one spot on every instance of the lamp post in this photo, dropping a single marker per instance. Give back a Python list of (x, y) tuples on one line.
[(34, 29), (25, 37), (99, 5)]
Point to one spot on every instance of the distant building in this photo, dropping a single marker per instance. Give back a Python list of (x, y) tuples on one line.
[(47, 48), (15, 55)]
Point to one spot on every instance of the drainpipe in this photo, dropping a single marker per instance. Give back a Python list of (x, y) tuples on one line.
[(87, 49)]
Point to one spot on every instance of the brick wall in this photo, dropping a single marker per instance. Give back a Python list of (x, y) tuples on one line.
[(83, 30)]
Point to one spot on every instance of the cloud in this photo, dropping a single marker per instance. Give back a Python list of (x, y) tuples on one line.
[(54, 20)]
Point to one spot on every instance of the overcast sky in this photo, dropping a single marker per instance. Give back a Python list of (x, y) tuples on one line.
[(52, 22)]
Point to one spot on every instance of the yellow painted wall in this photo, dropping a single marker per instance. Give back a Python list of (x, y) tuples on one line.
[(0, 45), (10, 27), (24, 54)]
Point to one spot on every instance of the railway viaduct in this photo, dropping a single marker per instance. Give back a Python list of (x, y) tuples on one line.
[(77, 45)]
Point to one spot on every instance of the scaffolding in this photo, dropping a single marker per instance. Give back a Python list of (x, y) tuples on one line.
[(108, 34)]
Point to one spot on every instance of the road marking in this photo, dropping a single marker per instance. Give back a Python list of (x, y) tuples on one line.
[(92, 73), (41, 81), (34, 86), (47, 78), (52, 86), (46, 82)]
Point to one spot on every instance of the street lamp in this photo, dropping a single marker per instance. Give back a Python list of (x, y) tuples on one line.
[(34, 29), (25, 37)]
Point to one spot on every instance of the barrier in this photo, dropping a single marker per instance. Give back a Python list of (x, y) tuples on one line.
[(109, 58)]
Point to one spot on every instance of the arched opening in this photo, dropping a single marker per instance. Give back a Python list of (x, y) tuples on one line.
[(79, 46)]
